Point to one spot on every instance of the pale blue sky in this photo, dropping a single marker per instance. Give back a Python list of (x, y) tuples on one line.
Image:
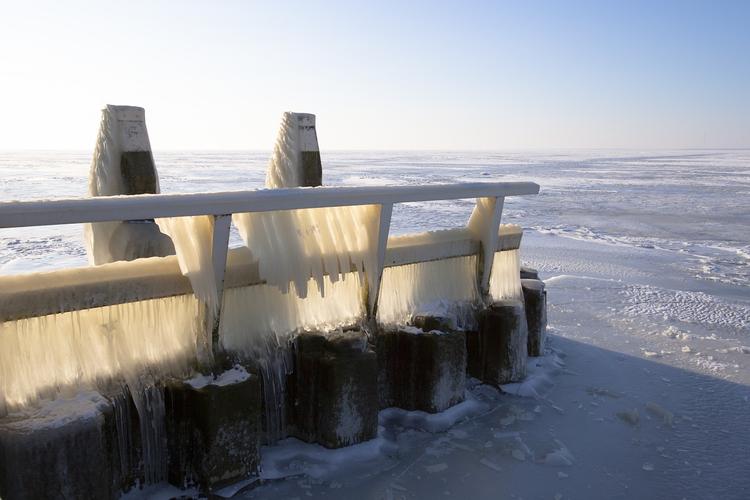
[(380, 75)]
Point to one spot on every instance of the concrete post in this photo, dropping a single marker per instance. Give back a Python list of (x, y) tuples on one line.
[(310, 164), (333, 389), (498, 351), (535, 299), (421, 367), (123, 165)]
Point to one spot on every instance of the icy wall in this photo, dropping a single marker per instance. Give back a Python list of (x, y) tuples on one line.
[(446, 287), (505, 279), (61, 353), (252, 313)]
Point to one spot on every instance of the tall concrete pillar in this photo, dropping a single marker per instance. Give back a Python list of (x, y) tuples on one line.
[(124, 165)]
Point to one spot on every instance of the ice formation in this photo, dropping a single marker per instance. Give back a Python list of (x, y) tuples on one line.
[(280, 314), (446, 287), (293, 246), (296, 245), (193, 242), (284, 167), (44, 356), (505, 279)]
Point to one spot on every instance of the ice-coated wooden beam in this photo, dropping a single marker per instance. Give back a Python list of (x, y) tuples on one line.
[(150, 206), (130, 281)]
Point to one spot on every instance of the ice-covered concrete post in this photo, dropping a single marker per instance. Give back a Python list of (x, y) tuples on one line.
[(213, 429), (123, 165), (422, 367), (296, 157), (499, 351), (333, 389)]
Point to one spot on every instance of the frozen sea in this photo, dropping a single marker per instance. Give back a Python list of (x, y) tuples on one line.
[(645, 390)]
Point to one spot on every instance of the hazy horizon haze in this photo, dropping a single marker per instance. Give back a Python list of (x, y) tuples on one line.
[(424, 76)]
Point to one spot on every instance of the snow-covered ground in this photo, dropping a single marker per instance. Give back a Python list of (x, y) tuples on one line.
[(645, 392)]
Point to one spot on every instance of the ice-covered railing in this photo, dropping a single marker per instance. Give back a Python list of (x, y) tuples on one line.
[(82, 325), (160, 277)]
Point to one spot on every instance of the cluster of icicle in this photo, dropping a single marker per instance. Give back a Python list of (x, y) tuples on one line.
[(44, 356), (284, 168), (295, 246), (505, 279), (446, 287)]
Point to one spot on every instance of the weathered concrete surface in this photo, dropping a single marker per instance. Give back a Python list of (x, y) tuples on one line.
[(500, 347), (64, 450), (333, 389), (421, 369), (529, 273), (213, 432), (310, 164), (535, 303), (473, 354), (429, 323), (138, 173), (312, 169)]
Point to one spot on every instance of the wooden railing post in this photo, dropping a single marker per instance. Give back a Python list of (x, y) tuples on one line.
[(484, 225)]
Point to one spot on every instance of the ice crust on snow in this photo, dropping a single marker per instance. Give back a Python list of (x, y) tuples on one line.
[(59, 412), (228, 377)]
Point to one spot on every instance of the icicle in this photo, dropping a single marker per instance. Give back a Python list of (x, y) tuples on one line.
[(445, 287), (42, 356), (193, 242), (505, 280), (275, 314), (149, 402), (274, 318), (295, 245)]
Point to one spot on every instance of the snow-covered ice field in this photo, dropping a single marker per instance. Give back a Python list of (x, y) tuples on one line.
[(645, 391)]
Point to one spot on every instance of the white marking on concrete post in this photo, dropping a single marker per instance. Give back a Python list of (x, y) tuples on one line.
[(308, 138), (131, 127), (484, 224), (219, 249), (373, 283)]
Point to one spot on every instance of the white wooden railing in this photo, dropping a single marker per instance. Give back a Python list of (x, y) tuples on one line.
[(52, 292)]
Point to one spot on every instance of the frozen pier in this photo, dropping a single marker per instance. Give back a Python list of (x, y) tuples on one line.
[(193, 354)]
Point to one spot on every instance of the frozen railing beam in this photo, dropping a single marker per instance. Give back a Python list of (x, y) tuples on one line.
[(80, 288), (446, 244), (151, 206), (122, 282)]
